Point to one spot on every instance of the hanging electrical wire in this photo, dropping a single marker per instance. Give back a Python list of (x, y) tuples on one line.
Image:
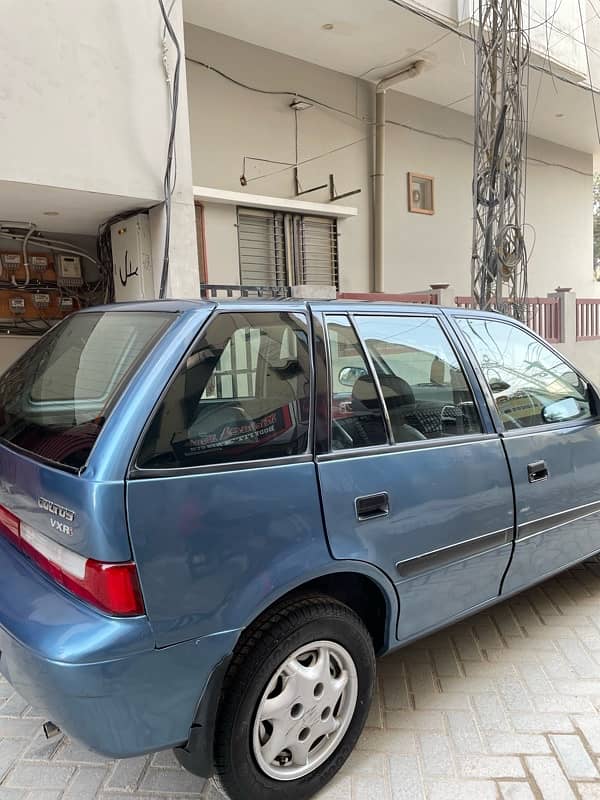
[(168, 182), (499, 254)]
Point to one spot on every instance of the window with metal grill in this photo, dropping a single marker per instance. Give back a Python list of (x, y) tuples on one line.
[(261, 237), (278, 249)]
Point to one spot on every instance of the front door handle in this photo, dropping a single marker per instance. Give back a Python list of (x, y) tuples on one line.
[(371, 506), (538, 471)]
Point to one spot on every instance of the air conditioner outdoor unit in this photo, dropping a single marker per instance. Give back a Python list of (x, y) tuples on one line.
[(132, 259)]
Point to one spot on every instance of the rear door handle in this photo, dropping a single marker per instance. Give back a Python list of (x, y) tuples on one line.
[(372, 506), (538, 471)]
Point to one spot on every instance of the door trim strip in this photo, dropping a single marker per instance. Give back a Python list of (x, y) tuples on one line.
[(442, 556), (544, 524)]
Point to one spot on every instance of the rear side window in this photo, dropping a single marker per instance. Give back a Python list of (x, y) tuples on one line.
[(55, 399), (243, 393)]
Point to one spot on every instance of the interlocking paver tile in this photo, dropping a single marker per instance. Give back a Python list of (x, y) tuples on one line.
[(369, 788), (513, 790), (85, 783), (550, 779), (12, 794), (406, 779), (465, 790), (127, 773), (507, 743), (172, 781), (414, 720), (589, 791), (33, 775), (590, 727), (436, 752), (464, 732), (491, 767), (575, 761), (541, 723), (505, 705)]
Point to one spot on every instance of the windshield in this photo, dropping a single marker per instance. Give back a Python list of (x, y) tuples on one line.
[(56, 397)]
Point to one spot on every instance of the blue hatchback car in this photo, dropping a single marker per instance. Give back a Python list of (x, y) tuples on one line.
[(213, 516)]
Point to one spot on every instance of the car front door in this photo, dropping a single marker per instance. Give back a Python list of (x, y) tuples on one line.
[(413, 478), (551, 432)]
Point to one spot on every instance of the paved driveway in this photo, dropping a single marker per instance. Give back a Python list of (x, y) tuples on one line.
[(504, 705)]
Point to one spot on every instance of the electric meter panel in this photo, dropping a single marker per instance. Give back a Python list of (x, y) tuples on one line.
[(68, 270), (38, 264), (17, 305), (11, 262), (41, 299)]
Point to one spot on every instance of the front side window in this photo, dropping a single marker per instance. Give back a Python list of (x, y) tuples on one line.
[(531, 384), (423, 385), (242, 394)]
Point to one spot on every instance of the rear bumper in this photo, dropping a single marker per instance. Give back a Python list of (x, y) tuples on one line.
[(100, 678)]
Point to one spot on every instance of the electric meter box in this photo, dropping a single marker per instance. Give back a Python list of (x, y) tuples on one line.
[(132, 259), (17, 305), (11, 262), (38, 263), (68, 270)]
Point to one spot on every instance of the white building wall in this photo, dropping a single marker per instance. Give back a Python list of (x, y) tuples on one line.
[(84, 96), (11, 347), (85, 106), (229, 122)]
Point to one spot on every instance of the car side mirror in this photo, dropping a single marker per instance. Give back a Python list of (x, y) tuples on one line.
[(348, 376), (561, 410)]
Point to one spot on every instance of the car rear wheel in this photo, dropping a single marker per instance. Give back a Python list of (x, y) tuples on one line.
[(295, 701)]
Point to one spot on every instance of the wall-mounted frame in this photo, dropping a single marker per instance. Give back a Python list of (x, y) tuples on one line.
[(420, 193)]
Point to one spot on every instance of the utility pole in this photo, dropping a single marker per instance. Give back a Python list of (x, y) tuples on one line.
[(499, 257)]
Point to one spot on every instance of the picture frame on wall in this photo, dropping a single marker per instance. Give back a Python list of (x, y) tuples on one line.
[(420, 193)]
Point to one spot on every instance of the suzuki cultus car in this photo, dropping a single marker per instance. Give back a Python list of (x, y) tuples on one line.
[(213, 516)]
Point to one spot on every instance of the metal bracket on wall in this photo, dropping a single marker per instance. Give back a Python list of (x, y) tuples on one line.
[(332, 194), (330, 185), (299, 190)]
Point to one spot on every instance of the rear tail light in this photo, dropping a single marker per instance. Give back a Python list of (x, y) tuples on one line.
[(113, 588)]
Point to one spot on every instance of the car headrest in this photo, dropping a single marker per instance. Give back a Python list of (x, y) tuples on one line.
[(396, 392), (286, 368)]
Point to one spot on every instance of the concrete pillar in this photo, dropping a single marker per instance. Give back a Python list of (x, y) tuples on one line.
[(184, 277), (444, 294), (568, 318), (313, 292)]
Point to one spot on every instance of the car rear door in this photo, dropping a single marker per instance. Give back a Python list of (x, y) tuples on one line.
[(222, 501), (548, 415), (413, 478)]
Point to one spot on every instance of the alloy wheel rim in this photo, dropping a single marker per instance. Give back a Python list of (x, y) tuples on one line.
[(305, 710)]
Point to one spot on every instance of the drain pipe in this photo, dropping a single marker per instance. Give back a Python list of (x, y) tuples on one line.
[(410, 71)]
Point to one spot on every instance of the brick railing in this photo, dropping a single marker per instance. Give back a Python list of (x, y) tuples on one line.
[(587, 319), (421, 298), (542, 314), (219, 290)]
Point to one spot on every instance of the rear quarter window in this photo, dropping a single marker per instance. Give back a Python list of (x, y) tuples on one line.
[(55, 399)]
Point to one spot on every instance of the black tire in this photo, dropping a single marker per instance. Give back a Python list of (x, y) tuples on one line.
[(264, 648)]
